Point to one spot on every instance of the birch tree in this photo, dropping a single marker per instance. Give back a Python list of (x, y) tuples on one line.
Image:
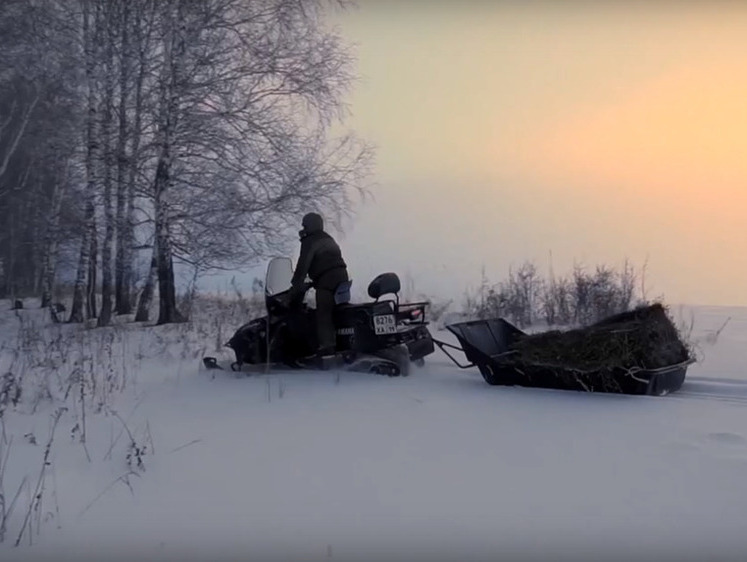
[(201, 130), (91, 35), (121, 294), (38, 115), (109, 24), (248, 93), (143, 26)]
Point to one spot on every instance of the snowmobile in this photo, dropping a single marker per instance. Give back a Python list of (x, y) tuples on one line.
[(383, 336)]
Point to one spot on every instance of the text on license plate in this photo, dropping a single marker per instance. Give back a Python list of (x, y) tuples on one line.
[(384, 324)]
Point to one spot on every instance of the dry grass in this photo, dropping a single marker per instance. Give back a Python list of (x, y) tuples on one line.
[(643, 338)]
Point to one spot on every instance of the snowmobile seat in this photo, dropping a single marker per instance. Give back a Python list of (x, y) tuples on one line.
[(386, 283)]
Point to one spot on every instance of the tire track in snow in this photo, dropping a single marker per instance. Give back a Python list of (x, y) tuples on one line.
[(733, 391)]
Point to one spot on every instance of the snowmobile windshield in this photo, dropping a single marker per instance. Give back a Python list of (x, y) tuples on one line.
[(279, 276)]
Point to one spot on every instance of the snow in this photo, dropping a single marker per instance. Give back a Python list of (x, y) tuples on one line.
[(349, 466)]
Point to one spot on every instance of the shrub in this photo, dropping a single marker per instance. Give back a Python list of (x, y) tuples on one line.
[(526, 299)]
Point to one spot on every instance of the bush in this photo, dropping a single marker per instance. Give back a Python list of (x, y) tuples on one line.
[(526, 299)]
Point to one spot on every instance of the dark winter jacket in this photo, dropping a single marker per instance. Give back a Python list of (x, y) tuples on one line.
[(320, 259)]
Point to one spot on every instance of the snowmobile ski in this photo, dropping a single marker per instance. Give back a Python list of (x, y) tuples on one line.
[(338, 362)]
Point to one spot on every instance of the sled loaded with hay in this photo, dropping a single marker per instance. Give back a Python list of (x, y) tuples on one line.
[(635, 352)]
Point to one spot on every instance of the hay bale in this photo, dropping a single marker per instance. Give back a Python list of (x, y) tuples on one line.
[(643, 338)]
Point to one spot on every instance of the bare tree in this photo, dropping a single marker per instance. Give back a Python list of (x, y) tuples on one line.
[(14, 134), (109, 24), (38, 117), (248, 94), (198, 129), (91, 38), (18, 51), (121, 293), (146, 297), (51, 242)]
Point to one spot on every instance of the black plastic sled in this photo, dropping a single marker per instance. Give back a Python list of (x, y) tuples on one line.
[(485, 342)]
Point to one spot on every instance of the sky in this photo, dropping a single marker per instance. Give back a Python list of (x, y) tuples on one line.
[(555, 132)]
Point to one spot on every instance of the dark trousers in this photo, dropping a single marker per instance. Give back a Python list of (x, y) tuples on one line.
[(325, 325)]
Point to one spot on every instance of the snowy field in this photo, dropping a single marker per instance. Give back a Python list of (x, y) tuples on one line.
[(347, 466)]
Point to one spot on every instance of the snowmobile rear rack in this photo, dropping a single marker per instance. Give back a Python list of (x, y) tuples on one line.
[(485, 342)]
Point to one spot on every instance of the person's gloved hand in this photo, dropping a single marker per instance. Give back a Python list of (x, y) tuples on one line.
[(295, 297)]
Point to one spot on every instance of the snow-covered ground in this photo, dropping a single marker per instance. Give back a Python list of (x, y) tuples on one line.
[(348, 466)]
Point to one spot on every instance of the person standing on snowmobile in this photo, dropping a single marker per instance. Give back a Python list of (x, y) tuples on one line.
[(320, 259)]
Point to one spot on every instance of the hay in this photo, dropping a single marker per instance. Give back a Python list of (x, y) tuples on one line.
[(644, 338)]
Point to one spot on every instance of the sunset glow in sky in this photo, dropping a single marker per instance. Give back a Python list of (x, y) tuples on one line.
[(589, 132)]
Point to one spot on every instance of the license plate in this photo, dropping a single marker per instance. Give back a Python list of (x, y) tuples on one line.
[(385, 324)]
